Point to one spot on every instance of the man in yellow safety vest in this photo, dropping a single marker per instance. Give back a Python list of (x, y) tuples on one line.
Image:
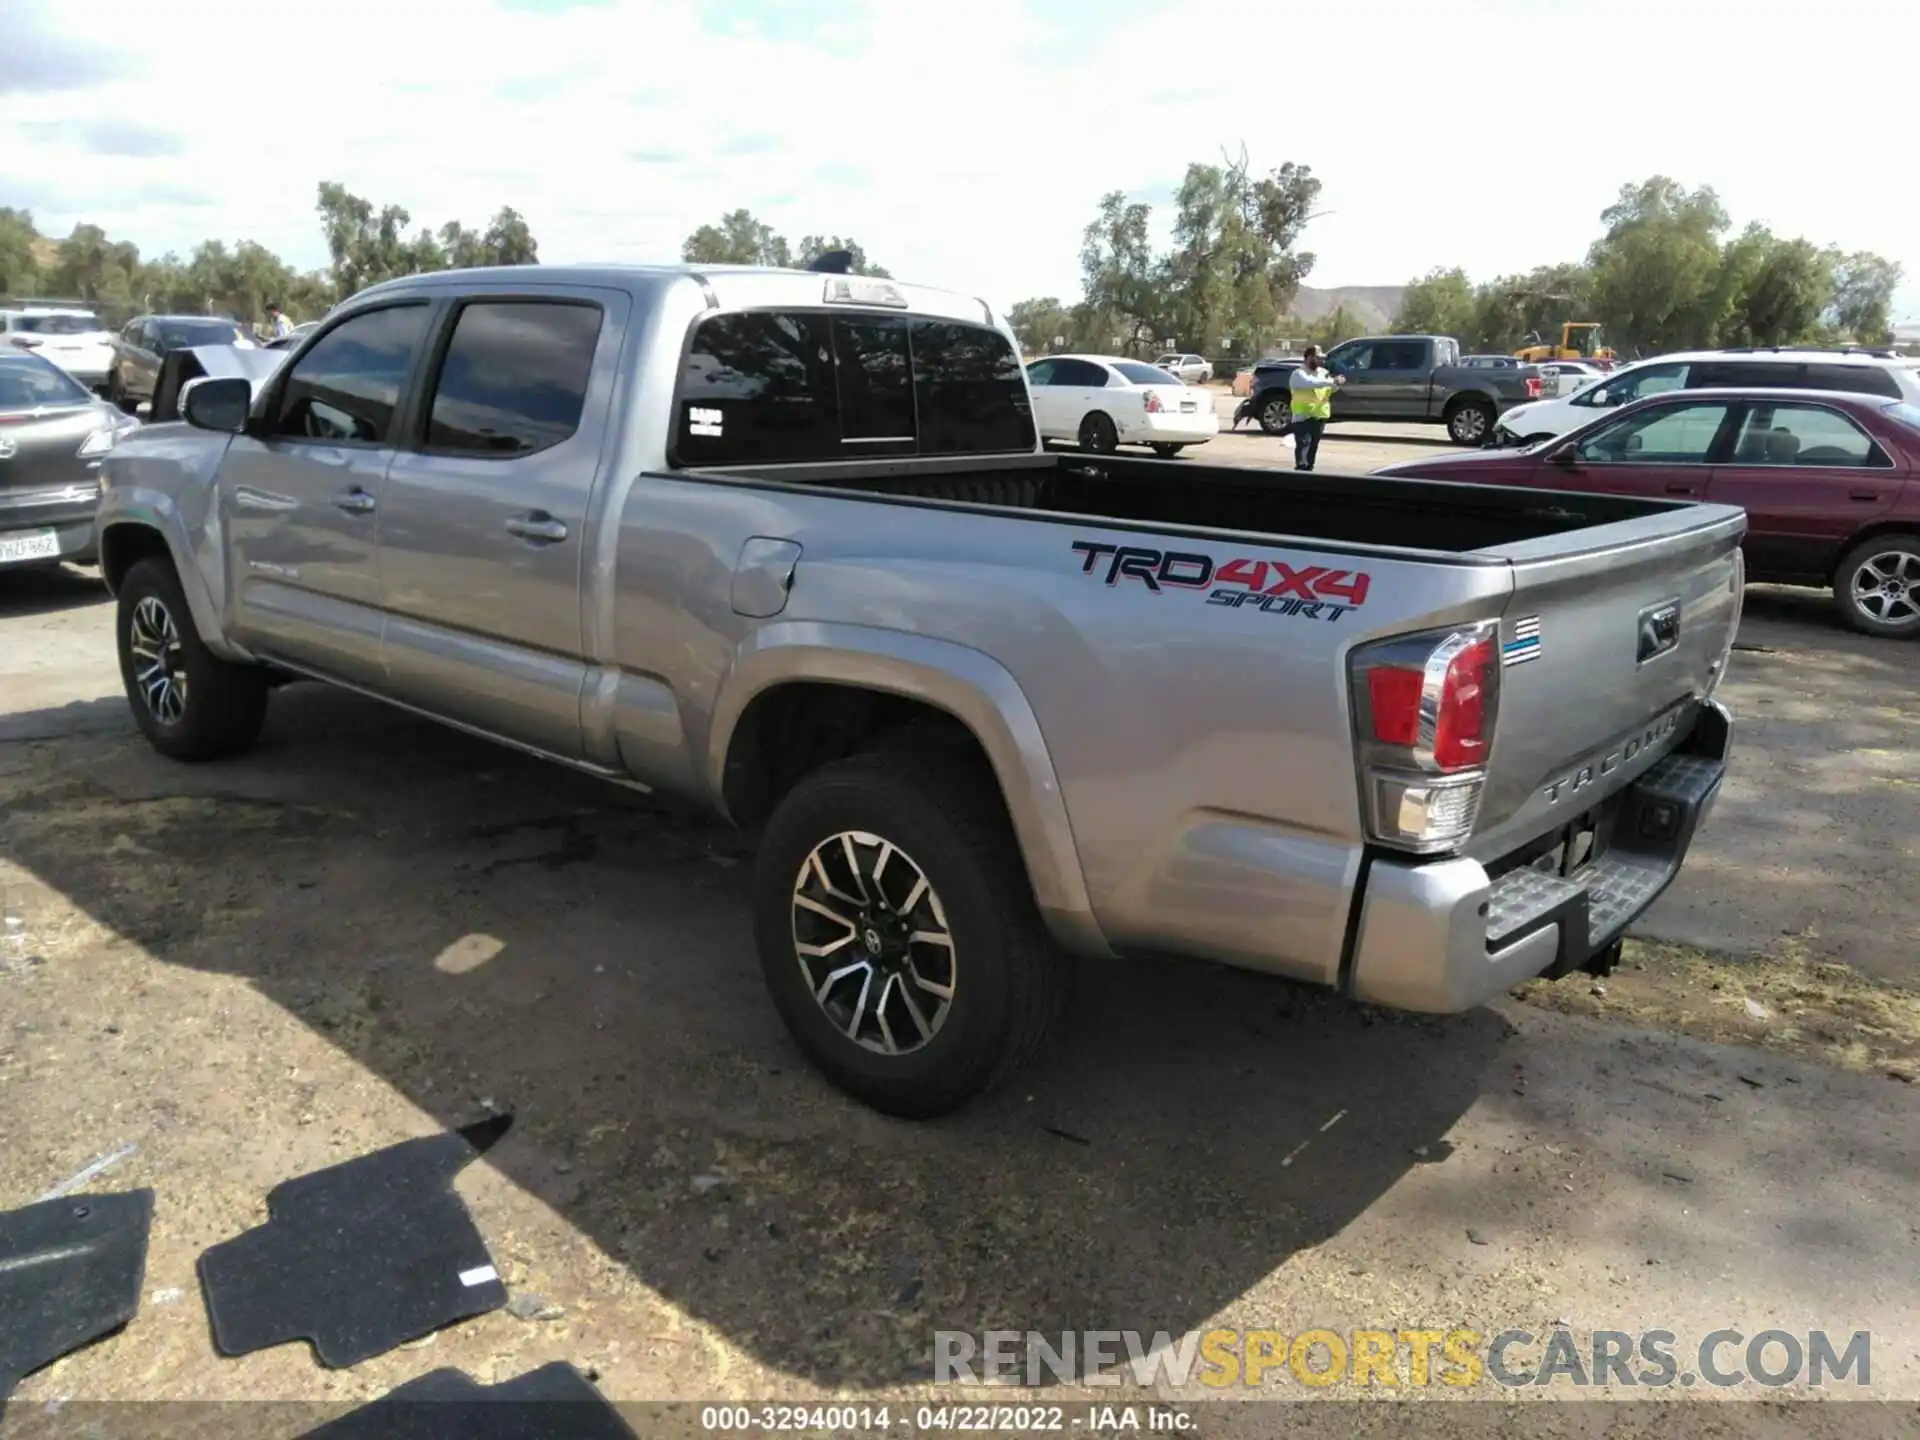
[(1311, 388)]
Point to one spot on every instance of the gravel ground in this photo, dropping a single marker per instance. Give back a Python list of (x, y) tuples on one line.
[(372, 928)]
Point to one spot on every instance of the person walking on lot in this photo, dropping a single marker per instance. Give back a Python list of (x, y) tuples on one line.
[(1311, 394), (278, 326)]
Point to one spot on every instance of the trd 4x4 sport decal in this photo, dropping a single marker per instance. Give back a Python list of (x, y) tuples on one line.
[(1315, 592)]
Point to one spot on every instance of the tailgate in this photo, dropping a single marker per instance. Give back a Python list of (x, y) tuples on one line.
[(1607, 647)]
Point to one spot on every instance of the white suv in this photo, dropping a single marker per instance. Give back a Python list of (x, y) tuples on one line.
[(1793, 369), (75, 340)]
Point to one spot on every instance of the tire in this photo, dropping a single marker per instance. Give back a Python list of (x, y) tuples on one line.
[(1005, 978), (1276, 414), (117, 394), (208, 708), (1098, 435), (1877, 587), (1167, 452), (1470, 422)]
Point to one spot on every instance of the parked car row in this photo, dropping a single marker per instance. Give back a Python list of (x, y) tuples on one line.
[(1830, 481), (1886, 376)]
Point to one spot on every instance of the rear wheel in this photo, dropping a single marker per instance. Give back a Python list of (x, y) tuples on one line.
[(1276, 414), (1470, 422), (187, 701), (1098, 435), (1167, 452), (1877, 587), (898, 933), (117, 392)]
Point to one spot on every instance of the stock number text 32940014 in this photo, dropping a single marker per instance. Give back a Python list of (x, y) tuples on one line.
[(1312, 592)]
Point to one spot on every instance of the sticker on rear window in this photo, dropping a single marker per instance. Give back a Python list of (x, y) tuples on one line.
[(702, 421)]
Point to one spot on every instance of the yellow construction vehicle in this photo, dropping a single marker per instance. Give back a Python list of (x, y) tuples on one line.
[(1579, 340)]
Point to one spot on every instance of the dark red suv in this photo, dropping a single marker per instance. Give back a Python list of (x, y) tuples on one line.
[(1830, 483)]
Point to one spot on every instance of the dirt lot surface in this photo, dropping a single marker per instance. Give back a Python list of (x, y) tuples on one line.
[(372, 928)]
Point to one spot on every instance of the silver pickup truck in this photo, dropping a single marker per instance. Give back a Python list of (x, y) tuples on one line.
[(785, 544)]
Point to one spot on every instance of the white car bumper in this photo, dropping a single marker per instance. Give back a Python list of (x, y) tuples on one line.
[(1174, 427)]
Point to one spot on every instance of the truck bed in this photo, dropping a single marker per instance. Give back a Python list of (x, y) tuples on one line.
[(1324, 508)]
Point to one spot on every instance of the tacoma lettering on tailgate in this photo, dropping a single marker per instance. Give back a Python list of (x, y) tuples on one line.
[(1314, 592)]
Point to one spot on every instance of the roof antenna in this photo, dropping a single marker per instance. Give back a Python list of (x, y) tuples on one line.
[(832, 262)]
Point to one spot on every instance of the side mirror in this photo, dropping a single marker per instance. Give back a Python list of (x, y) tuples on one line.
[(1564, 455), (219, 403)]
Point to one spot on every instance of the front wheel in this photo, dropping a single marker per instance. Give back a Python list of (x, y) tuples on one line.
[(187, 701), (1470, 423), (1167, 452), (898, 933), (1276, 415), (1877, 587)]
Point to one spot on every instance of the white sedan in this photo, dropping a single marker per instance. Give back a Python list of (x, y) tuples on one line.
[(1560, 378), (1101, 401)]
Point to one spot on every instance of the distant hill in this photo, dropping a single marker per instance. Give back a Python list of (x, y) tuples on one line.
[(1374, 306)]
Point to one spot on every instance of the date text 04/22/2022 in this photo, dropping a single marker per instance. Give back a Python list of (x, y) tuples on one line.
[(946, 1419)]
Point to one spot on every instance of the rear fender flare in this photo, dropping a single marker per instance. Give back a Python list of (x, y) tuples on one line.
[(971, 686)]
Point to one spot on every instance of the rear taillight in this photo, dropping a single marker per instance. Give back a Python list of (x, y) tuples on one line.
[(1424, 712), (1533, 388), (1154, 407)]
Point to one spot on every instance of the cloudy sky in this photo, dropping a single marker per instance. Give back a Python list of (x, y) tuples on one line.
[(963, 144)]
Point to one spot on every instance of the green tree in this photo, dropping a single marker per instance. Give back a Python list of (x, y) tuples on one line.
[(1330, 329), (93, 268), (369, 245), (509, 240), (1234, 267), (1038, 323), (1657, 267), (1442, 303), (1863, 290), (739, 239), (19, 266), (1127, 297)]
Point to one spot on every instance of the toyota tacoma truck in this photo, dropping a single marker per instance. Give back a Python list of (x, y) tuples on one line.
[(786, 544), (1419, 379)]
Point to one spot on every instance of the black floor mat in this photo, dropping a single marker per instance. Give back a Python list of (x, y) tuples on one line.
[(70, 1272), (359, 1257), (554, 1402)]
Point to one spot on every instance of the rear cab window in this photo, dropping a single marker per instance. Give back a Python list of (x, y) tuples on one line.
[(798, 386), (1859, 379)]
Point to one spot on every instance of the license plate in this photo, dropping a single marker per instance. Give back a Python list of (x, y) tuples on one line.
[(33, 545)]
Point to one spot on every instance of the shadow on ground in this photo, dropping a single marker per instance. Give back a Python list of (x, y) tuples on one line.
[(472, 926), (41, 590), (1817, 829)]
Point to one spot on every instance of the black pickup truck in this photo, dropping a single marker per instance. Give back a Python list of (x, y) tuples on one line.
[(1416, 378)]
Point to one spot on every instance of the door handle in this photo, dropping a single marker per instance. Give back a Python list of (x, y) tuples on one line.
[(538, 526), (1867, 497), (355, 501), (1679, 489)]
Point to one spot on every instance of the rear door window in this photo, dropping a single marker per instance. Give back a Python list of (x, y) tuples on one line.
[(1856, 379), (1804, 435), (514, 379), (1745, 374)]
